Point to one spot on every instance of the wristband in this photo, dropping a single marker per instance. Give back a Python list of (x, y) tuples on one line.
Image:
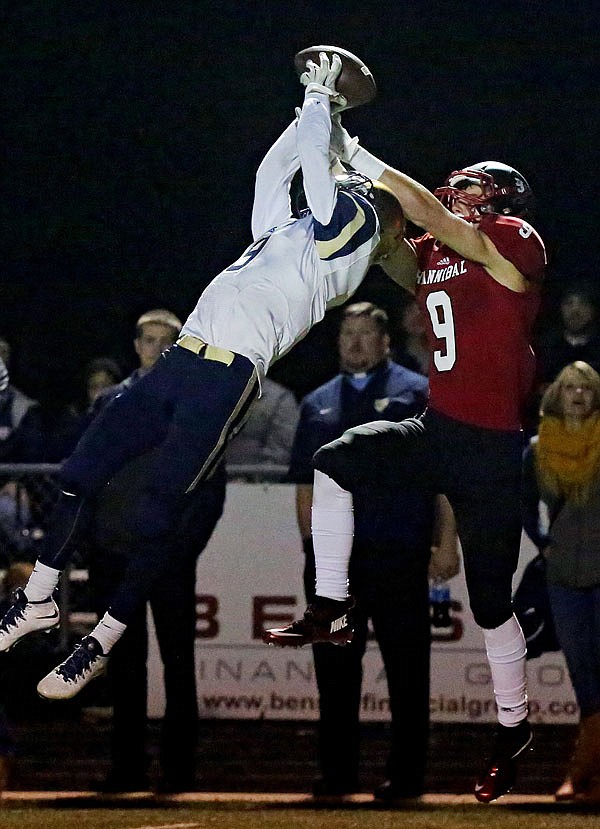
[(367, 164)]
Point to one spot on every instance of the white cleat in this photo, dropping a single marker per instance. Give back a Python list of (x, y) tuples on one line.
[(24, 617), (66, 680)]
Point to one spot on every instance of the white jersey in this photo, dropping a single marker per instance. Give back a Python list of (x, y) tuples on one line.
[(296, 268)]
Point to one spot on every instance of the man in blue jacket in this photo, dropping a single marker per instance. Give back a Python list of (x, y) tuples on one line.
[(397, 538)]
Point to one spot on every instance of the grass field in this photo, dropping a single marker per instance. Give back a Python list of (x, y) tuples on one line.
[(276, 816)]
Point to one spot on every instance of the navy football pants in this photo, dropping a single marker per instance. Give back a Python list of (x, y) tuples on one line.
[(186, 407)]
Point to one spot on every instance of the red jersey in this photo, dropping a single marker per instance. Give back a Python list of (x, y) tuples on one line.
[(482, 364)]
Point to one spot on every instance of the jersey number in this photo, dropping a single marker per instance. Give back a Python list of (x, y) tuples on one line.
[(250, 252), (442, 321)]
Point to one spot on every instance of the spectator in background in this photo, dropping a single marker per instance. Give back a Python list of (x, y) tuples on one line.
[(172, 601), (16, 523), (98, 376), (562, 469), (393, 541), (269, 431), (21, 424), (577, 336), (21, 440), (413, 350)]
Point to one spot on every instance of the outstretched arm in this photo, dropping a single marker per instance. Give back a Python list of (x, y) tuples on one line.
[(422, 208), (273, 179), (313, 136), (304, 143)]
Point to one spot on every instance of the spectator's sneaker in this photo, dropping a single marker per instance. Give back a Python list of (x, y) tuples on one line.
[(24, 617), (500, 774), (85, 663), (324, 620)]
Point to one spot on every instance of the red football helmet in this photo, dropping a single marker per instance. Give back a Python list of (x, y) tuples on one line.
[(504, 190)]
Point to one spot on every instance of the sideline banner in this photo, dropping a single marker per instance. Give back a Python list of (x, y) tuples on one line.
[(250, 577)]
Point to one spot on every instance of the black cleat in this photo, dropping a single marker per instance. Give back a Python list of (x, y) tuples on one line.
[(500, 774), (324, 620)]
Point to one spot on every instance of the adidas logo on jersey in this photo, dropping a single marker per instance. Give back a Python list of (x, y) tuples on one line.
[(338, 624), (444, 261)]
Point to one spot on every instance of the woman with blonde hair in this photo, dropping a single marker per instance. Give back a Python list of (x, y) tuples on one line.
[(562, 470)]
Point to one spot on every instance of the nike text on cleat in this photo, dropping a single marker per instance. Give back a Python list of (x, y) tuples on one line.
[(324, 620), (85, 663), (500, 772), (24, 617)]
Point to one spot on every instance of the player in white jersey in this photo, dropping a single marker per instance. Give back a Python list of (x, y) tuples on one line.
[(198, 393)]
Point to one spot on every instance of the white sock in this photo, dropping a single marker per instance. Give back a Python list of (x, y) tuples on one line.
[(333, 533), (506, 650), (42, 582), (107, 632)]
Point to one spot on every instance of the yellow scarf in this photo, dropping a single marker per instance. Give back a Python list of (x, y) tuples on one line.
[(568, 463)]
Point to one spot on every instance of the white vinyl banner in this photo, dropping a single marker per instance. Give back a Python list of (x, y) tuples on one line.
[(250, 577)]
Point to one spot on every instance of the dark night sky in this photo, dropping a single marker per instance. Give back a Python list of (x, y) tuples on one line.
[(133, 131)]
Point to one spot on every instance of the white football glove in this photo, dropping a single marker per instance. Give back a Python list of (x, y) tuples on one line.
[(340, 143), (349, 150), (322, 78)]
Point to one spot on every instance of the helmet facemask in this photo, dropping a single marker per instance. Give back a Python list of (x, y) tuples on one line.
[(454, 190)]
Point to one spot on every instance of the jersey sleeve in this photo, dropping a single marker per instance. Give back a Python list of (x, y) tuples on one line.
[(352, 224), (313, 135), (518, 242), (273, 179)]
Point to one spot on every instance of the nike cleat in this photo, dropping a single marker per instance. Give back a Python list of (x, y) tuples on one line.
[(324, 620), (85, 663), (500, 774), (24, 617)]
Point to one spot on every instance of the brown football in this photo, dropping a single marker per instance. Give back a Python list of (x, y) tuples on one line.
[(355, 82)]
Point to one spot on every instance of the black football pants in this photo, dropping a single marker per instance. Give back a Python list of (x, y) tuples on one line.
[(479, 470)]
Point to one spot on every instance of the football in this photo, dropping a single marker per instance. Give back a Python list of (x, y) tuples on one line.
[(355, 82)]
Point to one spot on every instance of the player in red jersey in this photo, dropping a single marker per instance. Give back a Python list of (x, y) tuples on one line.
[(476, 274)]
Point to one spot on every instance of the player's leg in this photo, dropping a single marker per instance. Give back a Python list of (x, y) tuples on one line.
[(130, 425), (488, 518), (212, 398), (378, 455)]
